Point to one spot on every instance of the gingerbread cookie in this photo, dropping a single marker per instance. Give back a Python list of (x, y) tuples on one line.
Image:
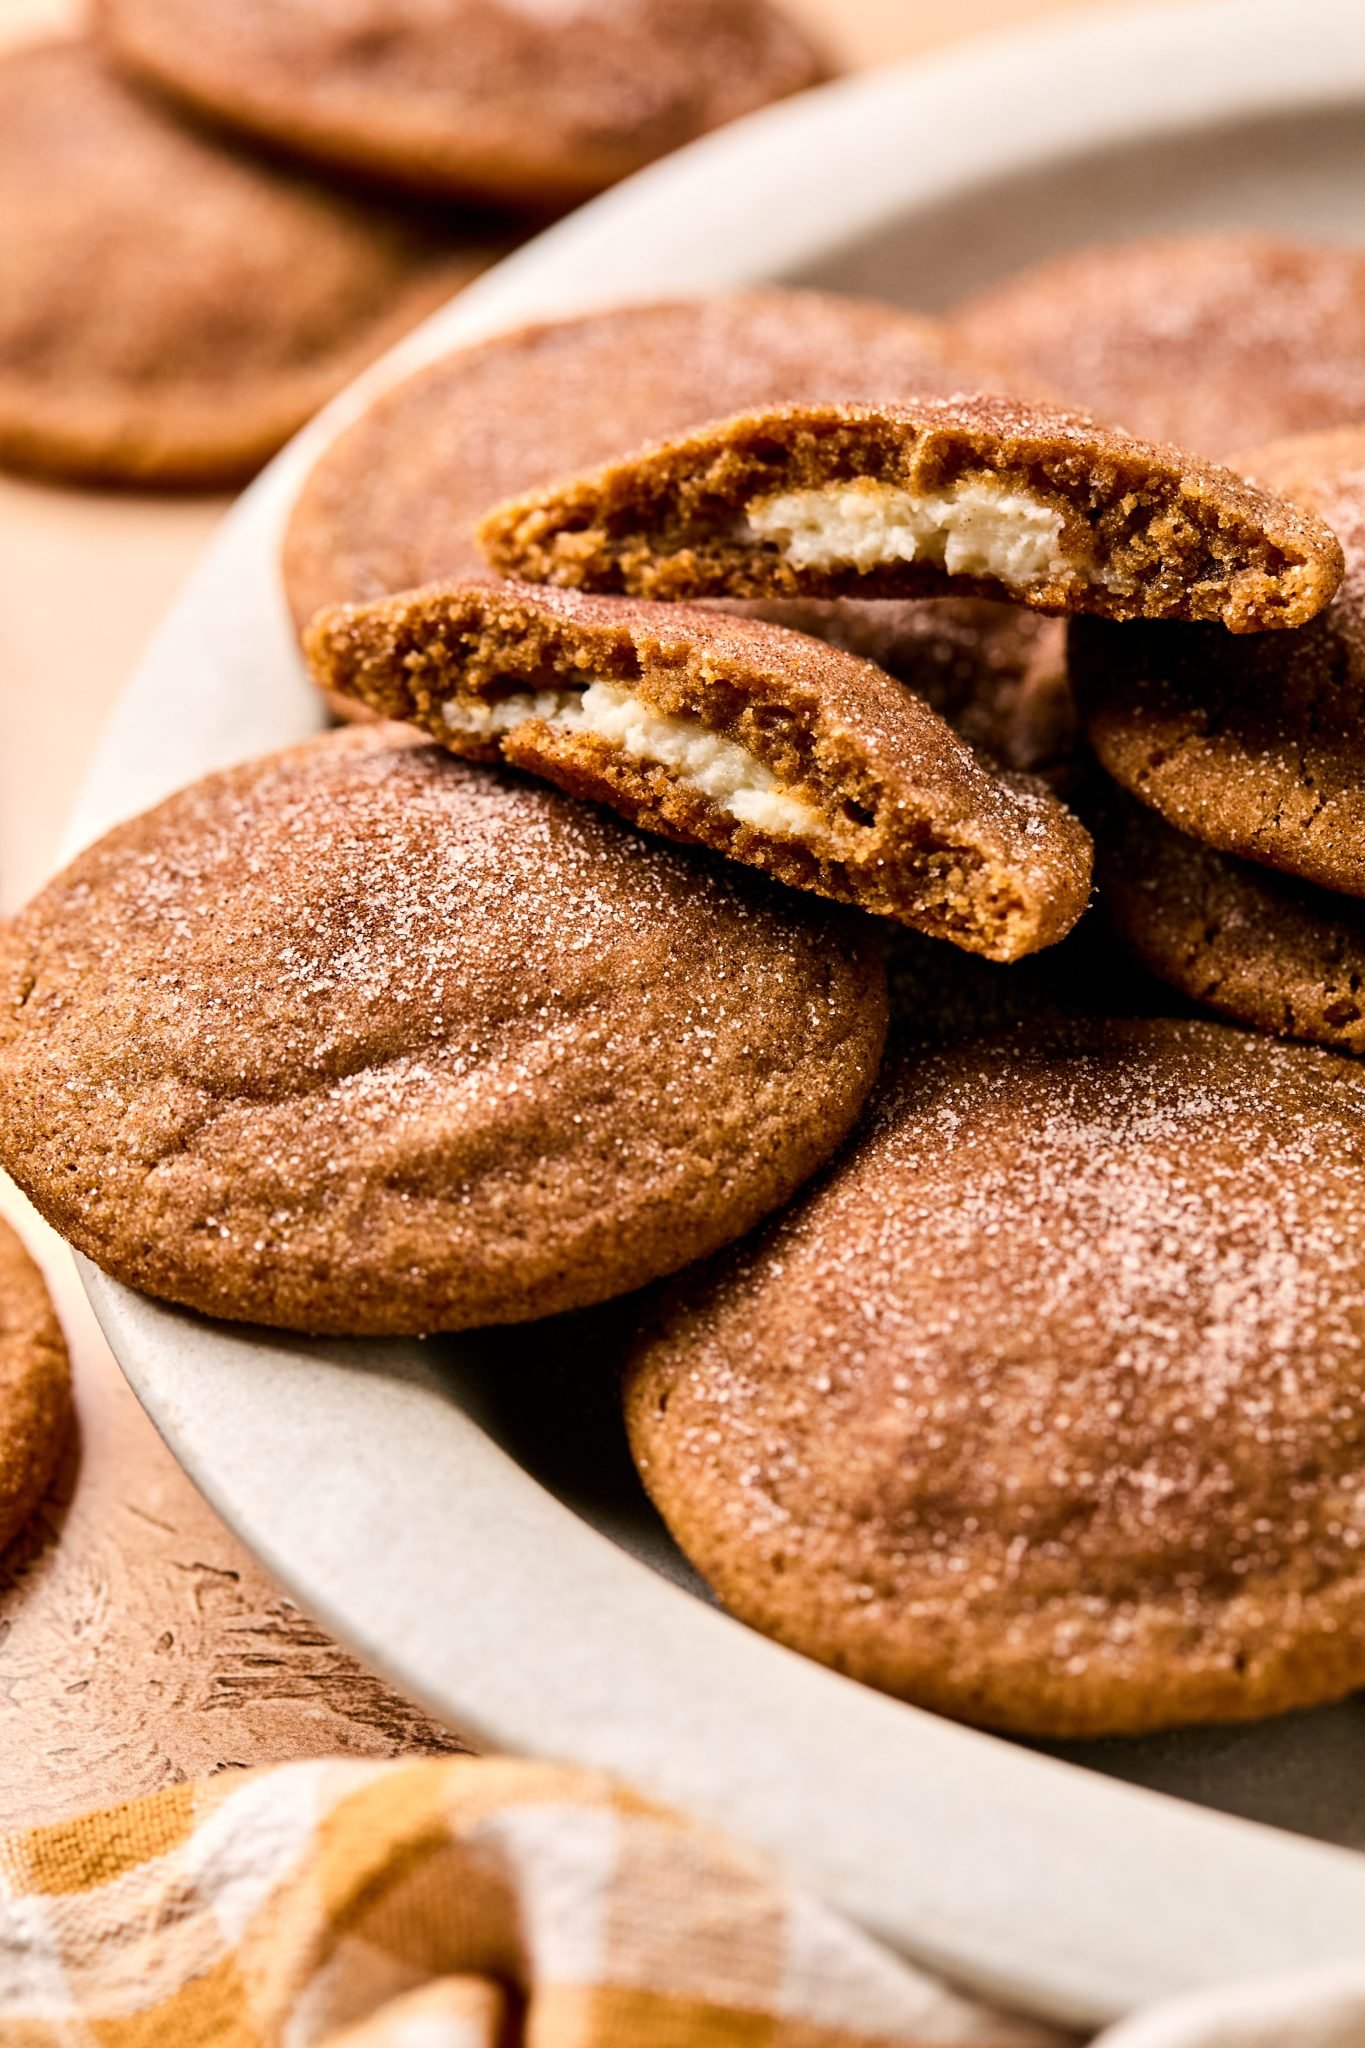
[(503, 100), (171, 313), (987, 496), (736, 734), (1260, 948), (393, 503), (363, 1039), (35, 1387), (1214, 342), (1041, 1407), (395, 500), (1256, 747)]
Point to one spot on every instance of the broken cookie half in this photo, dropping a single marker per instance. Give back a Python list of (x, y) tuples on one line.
[(730, 733), (982, 495)]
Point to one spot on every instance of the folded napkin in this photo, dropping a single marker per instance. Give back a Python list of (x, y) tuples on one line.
[(478, 1903)]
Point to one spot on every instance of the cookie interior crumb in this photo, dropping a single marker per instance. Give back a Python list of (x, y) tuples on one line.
[(1049, 509), (734, 733)]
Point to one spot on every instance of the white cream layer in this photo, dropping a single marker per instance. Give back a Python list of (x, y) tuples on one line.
[(974, 529), (700, 759)]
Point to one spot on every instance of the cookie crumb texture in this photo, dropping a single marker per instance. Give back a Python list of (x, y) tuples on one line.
[(535, 103), (985, 495), (172, 313), (363, 1039), (1042, 1408), (735, 734), (1214, 342), (1257, 947), (35, 1387), (1258, 748)]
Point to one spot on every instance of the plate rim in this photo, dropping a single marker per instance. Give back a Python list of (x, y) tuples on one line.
[(1004, 1901)]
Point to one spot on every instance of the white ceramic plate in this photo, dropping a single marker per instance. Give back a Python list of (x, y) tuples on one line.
[(462, 1512)]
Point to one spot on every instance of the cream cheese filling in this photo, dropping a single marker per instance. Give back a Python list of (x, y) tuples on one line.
[(974, 529), (700, 759)]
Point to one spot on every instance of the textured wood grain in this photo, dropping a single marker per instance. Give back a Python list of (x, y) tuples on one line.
[(139, 1643)]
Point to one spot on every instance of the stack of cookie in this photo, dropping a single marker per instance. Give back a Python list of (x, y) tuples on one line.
[(1231, 818), (697, 658), (211, 218)]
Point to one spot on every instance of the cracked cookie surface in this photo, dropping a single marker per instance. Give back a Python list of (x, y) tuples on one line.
[(363, 1039)]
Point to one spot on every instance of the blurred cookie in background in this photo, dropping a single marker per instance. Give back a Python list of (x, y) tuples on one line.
[(1215, 342), (35, 1387), (528, 103), (170, 312)]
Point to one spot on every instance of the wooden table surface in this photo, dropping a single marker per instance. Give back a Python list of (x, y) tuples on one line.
[(139, 1642)]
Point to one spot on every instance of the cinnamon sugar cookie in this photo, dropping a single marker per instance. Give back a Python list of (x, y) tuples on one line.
[(1256, 747), (736, 734), (363, 1039), (169, 312), (514, 101), (1260, 948), (35, 1387), (1214, 342), (1042, 1407), (393, 503), (987, 496)]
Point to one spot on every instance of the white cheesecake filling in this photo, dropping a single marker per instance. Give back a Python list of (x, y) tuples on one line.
[(700, 759), (974, 529)]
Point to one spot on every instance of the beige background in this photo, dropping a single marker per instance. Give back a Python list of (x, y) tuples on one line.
[(138, 1642)]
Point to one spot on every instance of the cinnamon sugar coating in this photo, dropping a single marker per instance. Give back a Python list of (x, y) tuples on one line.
[(1107, 525), (1257, 947), (878, 802), (1214, 341), (363, 1039), (1258, 747), (1042, 1408), (170, 312), (505, 100), (393, 503), (35, 1387)]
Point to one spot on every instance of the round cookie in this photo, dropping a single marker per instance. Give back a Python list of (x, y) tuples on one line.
[(1257, 746), (363, 1039), (1041, 1408), (1215, 342), (35, 1387), (514, 101), (1260, 948), (765, 745), (169, 312), (394, 502)]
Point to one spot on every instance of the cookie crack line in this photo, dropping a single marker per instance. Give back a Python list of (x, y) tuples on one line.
[(735, 734), (1020, 502)]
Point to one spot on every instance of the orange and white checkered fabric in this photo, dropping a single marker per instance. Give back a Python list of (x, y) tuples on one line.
[(434, 1903)]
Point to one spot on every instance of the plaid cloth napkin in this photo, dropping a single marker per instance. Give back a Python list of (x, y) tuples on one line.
[(471, 1903)]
